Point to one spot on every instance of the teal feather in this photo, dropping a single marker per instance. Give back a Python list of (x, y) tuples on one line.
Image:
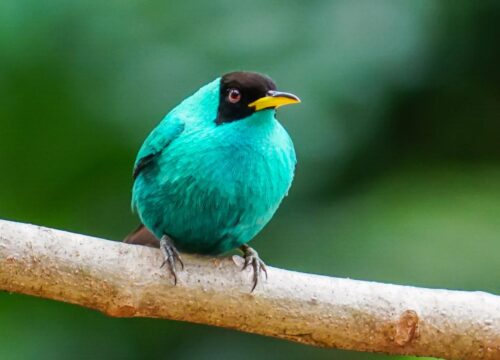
[(212, 187)]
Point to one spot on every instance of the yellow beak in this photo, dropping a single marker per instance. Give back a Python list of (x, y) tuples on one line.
[(274, 99)]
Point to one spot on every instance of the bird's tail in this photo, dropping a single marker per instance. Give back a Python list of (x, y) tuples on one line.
[(142, 236)]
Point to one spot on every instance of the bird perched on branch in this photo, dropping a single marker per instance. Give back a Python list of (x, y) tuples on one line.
[(213, 172)]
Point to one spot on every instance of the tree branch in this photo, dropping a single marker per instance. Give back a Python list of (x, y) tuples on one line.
[(126, 281)]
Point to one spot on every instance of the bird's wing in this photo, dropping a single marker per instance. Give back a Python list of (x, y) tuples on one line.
[(166, 131)]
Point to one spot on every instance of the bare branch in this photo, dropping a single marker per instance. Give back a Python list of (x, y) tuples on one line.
[(126, 280)]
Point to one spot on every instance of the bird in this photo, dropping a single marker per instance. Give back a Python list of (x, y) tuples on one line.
[(213, 172)]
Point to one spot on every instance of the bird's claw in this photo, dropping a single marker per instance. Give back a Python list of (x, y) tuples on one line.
[(171, 256), (252, 259)]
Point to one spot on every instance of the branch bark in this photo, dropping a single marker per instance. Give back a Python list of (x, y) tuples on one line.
[(125, 280)]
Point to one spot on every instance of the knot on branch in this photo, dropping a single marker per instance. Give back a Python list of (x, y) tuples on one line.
[(406, 328)]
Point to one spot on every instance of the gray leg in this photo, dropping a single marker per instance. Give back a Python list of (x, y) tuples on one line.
[(252, 258), (171, 255)]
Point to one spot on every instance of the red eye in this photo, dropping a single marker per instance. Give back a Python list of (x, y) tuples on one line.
[(233, 95)]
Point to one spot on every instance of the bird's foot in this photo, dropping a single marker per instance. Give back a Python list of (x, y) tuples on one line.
[(252, 258), (171, 256)]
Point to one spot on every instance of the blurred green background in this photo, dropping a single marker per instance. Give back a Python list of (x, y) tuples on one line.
[(398, 139)]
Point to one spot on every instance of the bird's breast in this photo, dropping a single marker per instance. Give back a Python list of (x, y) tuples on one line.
[(232, 167), (216, 188)]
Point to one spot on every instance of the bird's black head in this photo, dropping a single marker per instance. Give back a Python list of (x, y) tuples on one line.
[(243, 93)]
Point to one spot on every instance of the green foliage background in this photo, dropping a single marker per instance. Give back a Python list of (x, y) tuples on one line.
[(398, 139)]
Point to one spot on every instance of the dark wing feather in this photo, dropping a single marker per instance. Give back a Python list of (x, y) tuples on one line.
[(141, 164), (159, 139)]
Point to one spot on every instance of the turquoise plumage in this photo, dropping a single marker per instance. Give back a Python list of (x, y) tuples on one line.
[(208, 185)]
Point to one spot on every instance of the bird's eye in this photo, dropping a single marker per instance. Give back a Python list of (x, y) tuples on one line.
[(233, 95)]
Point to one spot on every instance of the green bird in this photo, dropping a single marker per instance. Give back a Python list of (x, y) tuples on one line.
[(213, 172)]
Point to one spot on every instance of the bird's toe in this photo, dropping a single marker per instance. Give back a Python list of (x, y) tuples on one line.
[(171, 256), (252, 259)]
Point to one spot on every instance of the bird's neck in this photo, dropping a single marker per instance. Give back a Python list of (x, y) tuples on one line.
[(251, 132), (263, 118)]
